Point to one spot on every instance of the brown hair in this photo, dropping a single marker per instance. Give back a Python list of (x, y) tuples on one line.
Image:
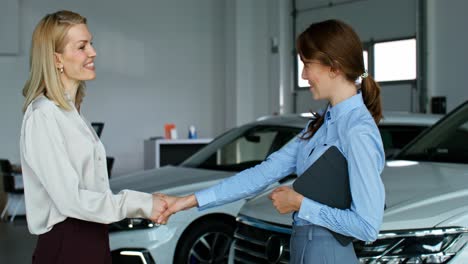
[(48, 37), (335, 44)]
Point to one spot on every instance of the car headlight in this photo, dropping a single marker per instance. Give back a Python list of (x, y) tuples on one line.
[(412, 247), (131, 224)]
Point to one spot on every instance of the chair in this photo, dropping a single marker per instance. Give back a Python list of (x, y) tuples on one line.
[(98, 127), (11, 188), (110, 164)]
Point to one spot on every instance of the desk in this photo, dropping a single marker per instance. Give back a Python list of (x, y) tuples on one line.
[(159, 151)]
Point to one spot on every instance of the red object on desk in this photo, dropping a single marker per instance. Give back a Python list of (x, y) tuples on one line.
[(167, 130)]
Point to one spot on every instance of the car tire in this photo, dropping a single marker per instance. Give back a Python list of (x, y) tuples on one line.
[(206, 242)]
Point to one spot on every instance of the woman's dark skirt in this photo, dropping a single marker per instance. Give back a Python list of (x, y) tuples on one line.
[(73, 241)]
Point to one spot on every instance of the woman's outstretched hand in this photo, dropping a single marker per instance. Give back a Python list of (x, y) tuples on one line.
[(159, 207), (174, 205)]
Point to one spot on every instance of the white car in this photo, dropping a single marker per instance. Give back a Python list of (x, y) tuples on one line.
[(195, 236), (426, 215)]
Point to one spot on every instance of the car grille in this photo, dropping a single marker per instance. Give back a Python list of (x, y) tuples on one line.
[(253, 242)]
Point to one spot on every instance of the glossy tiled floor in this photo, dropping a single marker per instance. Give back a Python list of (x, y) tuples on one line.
[(16, 243)]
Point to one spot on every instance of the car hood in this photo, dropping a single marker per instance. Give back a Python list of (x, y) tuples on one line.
[(418, 195), (157, 180)]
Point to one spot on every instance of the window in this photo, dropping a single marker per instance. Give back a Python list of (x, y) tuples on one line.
[(365, 54), (249, 149), (300, 67), (395, 60)]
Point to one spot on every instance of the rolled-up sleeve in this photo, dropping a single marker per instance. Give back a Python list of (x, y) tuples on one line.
[(46, 154)]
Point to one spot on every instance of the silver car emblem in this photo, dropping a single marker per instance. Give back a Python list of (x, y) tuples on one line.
[(274, 249)]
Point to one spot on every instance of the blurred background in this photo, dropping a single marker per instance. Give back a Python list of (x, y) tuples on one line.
[(217, 64)]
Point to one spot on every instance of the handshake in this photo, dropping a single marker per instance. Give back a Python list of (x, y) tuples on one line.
[(165, 205), (284, 199)]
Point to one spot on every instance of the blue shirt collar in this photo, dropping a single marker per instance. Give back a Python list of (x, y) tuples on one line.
[(334, 112)]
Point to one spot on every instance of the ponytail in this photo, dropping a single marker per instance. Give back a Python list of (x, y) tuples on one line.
[(371, 94)]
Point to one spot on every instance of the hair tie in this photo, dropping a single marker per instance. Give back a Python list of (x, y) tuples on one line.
[(365, 74)]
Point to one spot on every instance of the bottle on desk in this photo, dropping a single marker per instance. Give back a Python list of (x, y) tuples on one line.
[(192, 132)]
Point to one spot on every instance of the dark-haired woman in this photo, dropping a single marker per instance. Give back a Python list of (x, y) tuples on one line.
[(334, 67)]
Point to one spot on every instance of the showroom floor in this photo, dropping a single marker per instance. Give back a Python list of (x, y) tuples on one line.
[(16, 243)]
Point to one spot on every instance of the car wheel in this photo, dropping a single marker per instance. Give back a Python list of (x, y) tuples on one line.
[(207, 242)]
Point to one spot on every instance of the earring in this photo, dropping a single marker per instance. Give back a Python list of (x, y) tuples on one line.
[(61, 70)]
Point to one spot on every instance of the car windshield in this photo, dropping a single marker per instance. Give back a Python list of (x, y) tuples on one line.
[(447, 141), (241, 148), (395, 137)]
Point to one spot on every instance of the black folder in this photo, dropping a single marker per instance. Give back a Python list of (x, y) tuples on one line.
[(326, 181)]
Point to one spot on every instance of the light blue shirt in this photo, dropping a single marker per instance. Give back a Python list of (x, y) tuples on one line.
[(350, 127)]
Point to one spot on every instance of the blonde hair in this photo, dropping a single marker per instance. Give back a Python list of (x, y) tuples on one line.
[(49, 37)]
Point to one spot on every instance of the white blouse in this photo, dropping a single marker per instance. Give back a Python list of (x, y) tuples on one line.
[(65, 171)]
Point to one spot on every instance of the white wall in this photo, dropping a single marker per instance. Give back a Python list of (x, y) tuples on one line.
[(158, 62), (9, 27), (202, 62), (447, 50), (281, 63), (251, 46), (254, 74)]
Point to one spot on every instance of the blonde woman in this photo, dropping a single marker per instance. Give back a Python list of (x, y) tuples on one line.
[(68, 200)]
